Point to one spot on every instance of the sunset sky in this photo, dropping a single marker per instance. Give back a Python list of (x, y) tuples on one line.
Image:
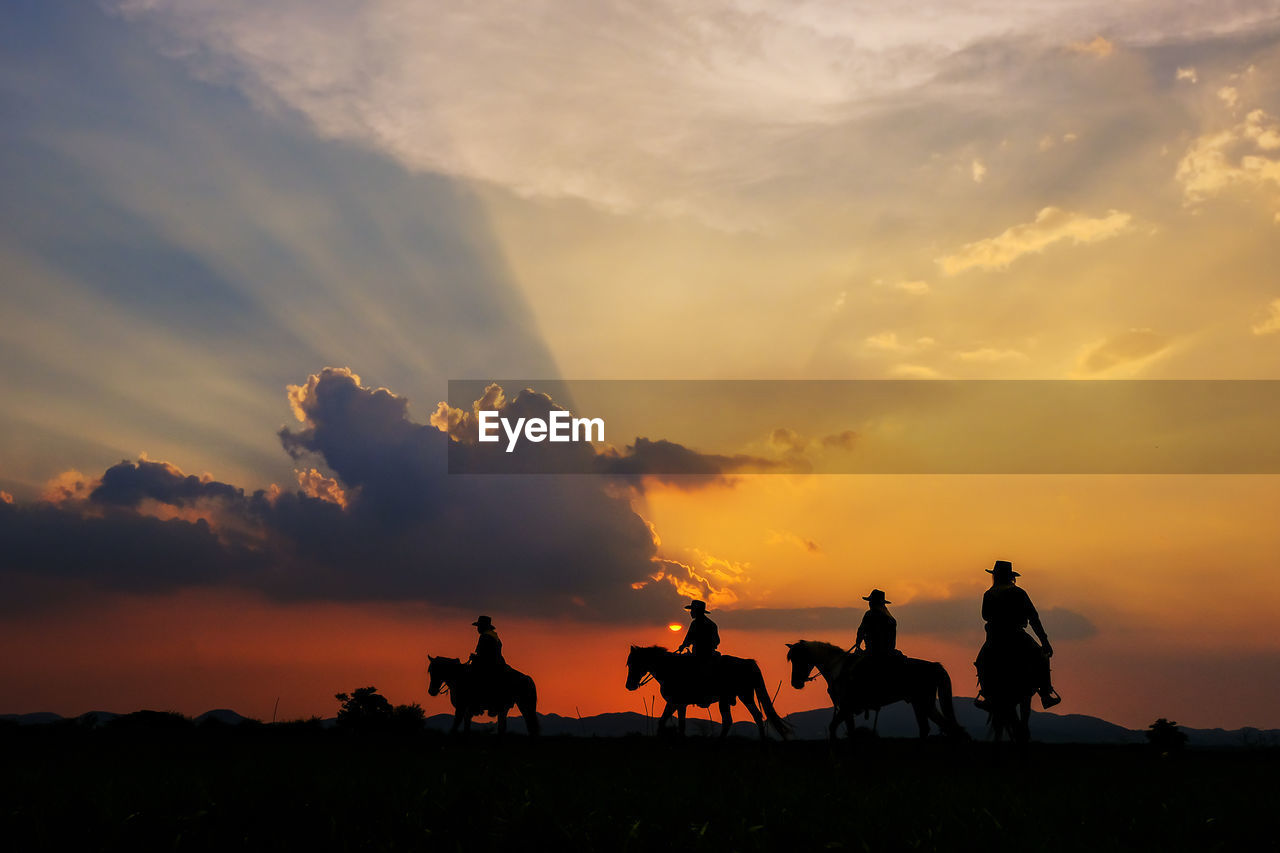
[(244, 247)]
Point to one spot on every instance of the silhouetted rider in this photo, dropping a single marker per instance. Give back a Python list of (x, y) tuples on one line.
[(488, 668), (702, 637), (1007, 610), (878, 635), (878, 631)]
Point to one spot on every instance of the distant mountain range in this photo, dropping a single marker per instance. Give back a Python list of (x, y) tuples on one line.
[(895, 721)]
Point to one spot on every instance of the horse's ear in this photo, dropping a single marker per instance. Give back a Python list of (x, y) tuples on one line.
[(790, 645), (429, 658)]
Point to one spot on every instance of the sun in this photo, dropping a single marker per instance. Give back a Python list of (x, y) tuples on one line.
[(674, 627)]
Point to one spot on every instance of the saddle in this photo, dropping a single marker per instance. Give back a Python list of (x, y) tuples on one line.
[(491, 689), (702, 684)]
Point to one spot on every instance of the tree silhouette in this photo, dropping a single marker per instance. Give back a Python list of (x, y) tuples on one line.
[(1165, 735), (364, 709)]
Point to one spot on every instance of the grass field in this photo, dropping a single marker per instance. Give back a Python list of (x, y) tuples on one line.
[(290, 787)]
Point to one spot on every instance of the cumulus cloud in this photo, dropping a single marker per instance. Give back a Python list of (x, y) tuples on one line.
[(1126, 348), (1051, 225), (388, 524), (1187, 74)]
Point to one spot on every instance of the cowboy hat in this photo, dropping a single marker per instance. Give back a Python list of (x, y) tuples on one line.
[(1003, 567)]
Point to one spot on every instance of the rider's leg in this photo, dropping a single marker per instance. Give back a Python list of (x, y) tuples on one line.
[(1048, 696)]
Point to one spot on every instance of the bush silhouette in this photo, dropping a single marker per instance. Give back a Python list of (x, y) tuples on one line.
[(1165, 735), (364, 709)]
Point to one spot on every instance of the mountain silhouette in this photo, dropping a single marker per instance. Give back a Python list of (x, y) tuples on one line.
[(896, 721)]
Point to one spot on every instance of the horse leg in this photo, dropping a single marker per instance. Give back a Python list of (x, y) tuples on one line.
[(502, 722), (528, 705), (922, 718), (1024, 722), (726, 718), (750, 703), (666, 715), (680, 713)]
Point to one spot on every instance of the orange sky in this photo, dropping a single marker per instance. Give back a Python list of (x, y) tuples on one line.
[(207, 203)]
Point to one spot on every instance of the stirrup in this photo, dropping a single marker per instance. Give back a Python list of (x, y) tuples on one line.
[(981, 703), (1049, 698)]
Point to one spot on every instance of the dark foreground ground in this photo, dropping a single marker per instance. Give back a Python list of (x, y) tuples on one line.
[(285, 788)]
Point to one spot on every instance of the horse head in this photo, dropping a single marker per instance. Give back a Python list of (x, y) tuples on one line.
[(640, 662), (440, 671), (802, 663)]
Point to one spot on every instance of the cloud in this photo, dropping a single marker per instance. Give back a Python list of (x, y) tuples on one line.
[(1271, 324), (979, 171), (989, 355), (844, 440), (1126, 348), (1051, 225), (777, 537), (704, 99), (885, 342), (676, 465), (914, 371), (1188, 74), (915, 288), (712, 579), (389, 524), (1099, 47), (1246, 155)]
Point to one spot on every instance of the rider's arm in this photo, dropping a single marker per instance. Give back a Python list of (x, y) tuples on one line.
[(1033, 618), (688, 639)]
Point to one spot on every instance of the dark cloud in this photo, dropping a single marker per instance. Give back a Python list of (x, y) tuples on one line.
[(547, 546), (674, 464), (129, 483)]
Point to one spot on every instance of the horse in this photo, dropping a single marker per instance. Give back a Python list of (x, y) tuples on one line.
[(682, 681), (1009, 681), (515, 689), (923, 684)]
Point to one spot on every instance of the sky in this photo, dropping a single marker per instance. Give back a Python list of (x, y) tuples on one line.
[(245, 247)]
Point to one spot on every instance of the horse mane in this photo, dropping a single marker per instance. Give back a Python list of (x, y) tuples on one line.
[(652, 649), (814, 644), (446, 660)]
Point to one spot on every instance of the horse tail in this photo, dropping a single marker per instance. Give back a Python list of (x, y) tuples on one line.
[(946, 705), (766, 705), (528, 703)]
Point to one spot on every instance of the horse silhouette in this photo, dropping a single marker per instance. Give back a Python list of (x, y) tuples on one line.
[(1010, 680), (514, 688), (685, 680), (923, 684)]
